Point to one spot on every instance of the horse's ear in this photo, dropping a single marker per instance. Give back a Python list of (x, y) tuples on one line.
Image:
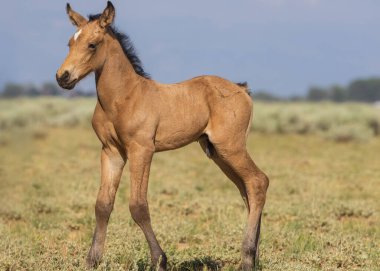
[(107, 16), (75, 18)]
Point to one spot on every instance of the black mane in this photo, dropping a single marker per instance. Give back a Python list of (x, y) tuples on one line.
[(127, 46)]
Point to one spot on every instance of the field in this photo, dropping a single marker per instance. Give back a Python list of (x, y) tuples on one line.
[(322, 210)]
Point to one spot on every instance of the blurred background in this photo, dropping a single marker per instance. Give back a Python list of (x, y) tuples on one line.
[(314, 70), (281, 47)]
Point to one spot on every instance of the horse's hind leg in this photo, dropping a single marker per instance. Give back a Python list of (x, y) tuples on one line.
[(239, 167), (209, 149), (256, 184)]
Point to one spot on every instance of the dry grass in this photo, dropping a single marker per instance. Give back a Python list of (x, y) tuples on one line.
[(338, 122), (322, 211)]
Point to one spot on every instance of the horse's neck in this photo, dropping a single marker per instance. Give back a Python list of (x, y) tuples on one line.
[(116, 78)]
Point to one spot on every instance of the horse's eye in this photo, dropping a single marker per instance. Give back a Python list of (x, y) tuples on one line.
[(92, 46)]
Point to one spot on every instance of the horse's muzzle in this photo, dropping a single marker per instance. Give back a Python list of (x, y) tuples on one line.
[(64, 80)]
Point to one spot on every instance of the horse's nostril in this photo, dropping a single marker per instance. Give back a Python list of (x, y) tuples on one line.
[(65, 76)]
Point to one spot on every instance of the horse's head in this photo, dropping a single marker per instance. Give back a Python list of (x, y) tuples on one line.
[(87, 47)]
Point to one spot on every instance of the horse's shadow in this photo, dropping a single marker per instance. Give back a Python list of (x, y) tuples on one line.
[(196, 264), (199, 264)]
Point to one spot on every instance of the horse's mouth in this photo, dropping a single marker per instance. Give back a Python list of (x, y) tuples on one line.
[(70, 85)]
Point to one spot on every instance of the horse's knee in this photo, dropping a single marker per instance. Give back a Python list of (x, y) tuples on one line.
[(139, 210), (103, 209)]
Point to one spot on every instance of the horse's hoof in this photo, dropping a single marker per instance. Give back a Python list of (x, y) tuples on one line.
[(92, 263), (247, 267), (161, 262), (93, 260), (249, 264)]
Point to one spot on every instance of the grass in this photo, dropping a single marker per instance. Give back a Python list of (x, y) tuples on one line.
[(322, 210), (337, 122)]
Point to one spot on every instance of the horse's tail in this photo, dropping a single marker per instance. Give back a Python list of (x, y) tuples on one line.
[(246, 87)]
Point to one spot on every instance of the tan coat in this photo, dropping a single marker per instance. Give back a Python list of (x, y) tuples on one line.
[(136, 117)]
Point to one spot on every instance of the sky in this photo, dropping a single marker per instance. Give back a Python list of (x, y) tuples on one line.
[(282, 46)]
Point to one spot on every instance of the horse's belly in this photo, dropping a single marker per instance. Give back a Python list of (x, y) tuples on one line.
[(178, 133)]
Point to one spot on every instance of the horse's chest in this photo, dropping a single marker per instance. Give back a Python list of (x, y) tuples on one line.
[(105, 129)]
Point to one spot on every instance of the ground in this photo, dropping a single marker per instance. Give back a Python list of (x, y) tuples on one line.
[(322, 210)]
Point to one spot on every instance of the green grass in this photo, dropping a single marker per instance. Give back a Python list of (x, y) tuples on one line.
[(322, 210)]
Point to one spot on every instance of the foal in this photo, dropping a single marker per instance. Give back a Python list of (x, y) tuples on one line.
[(135, 117)]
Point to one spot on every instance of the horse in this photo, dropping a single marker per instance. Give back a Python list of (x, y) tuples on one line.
[(135, 117)]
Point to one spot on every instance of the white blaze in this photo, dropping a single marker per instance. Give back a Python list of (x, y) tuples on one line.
[(76, 35)]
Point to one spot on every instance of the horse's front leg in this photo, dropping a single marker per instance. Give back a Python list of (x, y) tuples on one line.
[(111, 169), (140, 157)]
